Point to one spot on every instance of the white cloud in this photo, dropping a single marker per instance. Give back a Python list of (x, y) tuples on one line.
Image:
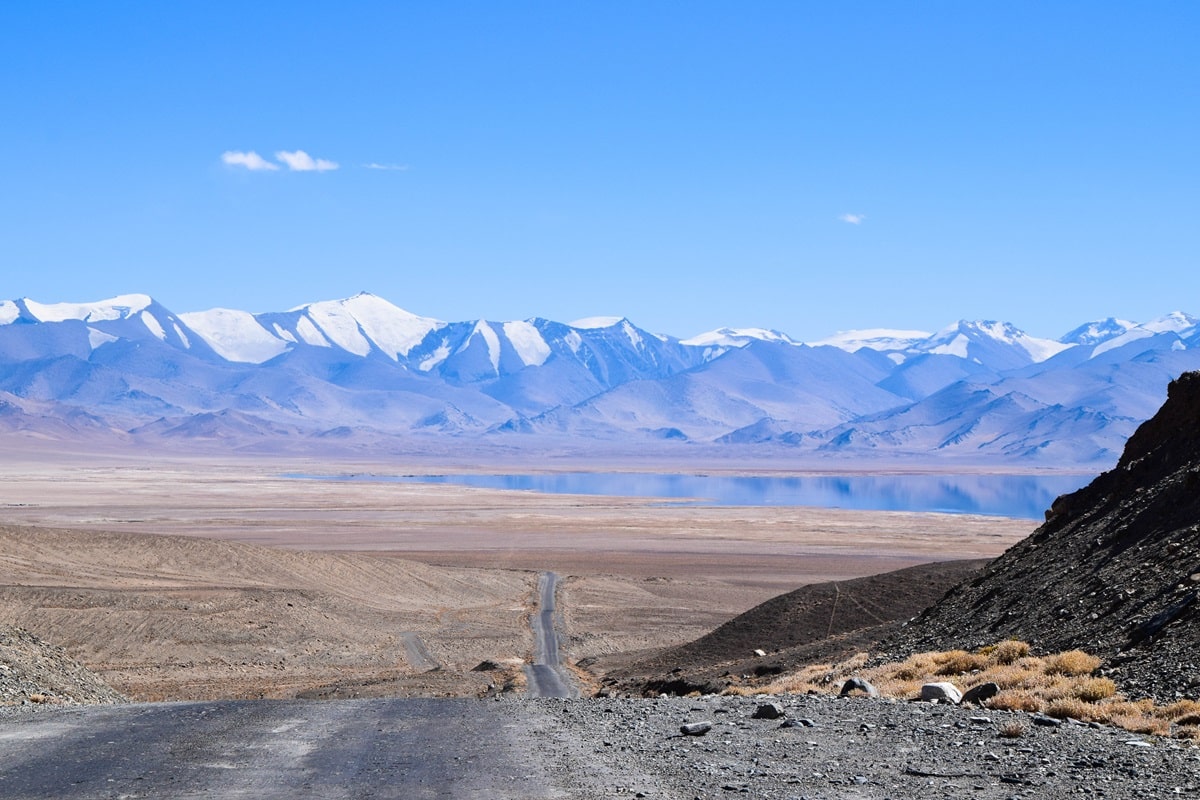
[(300, 161), (393, 167), (853, 219), (251, 161)]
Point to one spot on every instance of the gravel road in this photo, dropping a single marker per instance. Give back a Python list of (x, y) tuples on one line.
[(546, 676), (571, 748)]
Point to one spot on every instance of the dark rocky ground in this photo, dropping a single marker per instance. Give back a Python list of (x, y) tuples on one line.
[(33, 672), (859, 748)]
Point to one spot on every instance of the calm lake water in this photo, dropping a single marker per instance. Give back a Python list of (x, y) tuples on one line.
[(1026, 496)]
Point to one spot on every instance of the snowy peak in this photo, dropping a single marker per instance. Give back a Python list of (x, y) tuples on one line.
[(736, 337), (883, 340), (120, 307), (9, 312), (363, 322), (132, 316), (1177, 326), (1098, 331), (595, 323), (1175, 322), (976, 340)]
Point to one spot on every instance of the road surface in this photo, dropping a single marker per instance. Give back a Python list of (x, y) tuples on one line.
[(546, 676), (291, 748)]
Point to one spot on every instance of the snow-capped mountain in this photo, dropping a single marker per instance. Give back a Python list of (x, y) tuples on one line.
[(363, 373)]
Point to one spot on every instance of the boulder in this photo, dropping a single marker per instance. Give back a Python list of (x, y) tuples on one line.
[(858, 685), (981, 693), (768, 711), (941, 692)]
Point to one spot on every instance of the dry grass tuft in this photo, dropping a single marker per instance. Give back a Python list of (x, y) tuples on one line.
[(1015, 700), (1059, 685), (958, 662), (1013, 729), (1008, 652), (1072, 662), (1069, 707), (1182, 712), (1094, 690), (1142, 724)]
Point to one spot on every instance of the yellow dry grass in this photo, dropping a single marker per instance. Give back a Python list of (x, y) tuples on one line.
[(1060, 685)]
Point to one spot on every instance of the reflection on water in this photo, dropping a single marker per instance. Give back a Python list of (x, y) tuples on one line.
[(1025, 496)]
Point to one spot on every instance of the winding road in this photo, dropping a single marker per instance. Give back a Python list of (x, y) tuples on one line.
[(546, 676)]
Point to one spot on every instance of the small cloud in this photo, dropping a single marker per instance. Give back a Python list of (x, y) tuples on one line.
[(853, 219), (300, 161), (251, 161), (390, 167)]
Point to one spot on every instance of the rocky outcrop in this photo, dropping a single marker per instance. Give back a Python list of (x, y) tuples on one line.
[(34, 673), (1115, 569)]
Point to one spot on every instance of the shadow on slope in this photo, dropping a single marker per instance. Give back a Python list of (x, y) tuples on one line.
[(816, 623)]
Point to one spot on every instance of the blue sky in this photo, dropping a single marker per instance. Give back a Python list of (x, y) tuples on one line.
[(808, 167)]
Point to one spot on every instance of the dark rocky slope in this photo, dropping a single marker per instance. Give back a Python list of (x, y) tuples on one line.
[(33, 672), (1115, 569), (817, 623)]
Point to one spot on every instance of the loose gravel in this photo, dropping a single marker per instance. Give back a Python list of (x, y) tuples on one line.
[(826, 747)]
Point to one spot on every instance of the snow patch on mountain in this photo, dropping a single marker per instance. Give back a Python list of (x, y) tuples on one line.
[(310, 334), (593, 323), (97, 338), (634, 337), (154, 326), (9, 311), (884, 340), (956, 346), (338, 325), (736, 337), (1097, 331), (436, 357), (490, 340), (573, 341), (120, 307), (1175, 322), (528, 342), (234, 335)]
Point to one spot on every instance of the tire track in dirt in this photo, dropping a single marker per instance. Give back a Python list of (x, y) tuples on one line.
[(417, 653)]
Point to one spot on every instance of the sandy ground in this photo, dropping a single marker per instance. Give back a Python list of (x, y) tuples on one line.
[(332, 582)]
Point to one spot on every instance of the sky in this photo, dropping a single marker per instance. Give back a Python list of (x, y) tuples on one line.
[(807, 167)]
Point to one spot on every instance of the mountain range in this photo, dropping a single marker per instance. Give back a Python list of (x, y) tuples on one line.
[(363, 375)]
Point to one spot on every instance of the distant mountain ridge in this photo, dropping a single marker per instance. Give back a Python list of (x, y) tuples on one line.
[(366, 374)]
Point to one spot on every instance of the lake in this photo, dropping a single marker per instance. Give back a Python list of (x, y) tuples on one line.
[(1024, 496)]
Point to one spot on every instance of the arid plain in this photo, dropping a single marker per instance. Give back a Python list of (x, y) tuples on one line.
[(179, 578)]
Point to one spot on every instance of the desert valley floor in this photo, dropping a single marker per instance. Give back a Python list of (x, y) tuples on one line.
[(187, 579)]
